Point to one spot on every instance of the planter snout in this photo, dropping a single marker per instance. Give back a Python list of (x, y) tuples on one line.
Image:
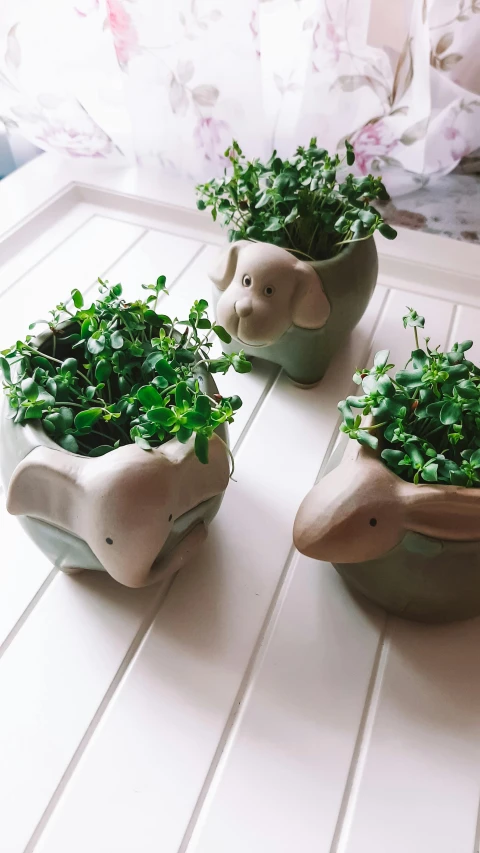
[(349, 513)]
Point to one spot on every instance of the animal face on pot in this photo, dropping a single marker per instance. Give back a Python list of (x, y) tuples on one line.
[(265, 290)]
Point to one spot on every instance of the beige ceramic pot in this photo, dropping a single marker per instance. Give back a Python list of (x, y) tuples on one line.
[(415, 550), (292, 312), (138, 515)]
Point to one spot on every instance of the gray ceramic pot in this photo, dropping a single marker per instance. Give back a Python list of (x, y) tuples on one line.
[(138, 515), (305, 320), (414, 550)]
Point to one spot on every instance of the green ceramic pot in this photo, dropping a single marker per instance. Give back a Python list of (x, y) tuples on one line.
[(348, 281), (424, 579)]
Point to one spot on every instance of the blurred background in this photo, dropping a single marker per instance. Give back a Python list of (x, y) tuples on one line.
[(168, 84)]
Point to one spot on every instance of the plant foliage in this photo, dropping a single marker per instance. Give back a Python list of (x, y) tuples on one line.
[(118, 372), (299, 204), (427, 416)]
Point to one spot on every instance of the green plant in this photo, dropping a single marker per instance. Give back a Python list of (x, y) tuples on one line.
[(427, 416), (298, 204), (118, 372)]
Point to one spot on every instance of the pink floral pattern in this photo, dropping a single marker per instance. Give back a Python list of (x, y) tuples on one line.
[(212, 137), (199, 73), (254, 29), (74, 141), (124, 34), (371, 142)]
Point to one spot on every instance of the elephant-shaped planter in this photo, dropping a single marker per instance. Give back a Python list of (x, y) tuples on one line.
[(288, 311), (139, 515), (414, 550)]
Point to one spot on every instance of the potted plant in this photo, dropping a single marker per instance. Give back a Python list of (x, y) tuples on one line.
[(113, 443), (302, 264), (400, 516)]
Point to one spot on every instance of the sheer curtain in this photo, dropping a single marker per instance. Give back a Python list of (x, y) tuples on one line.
[(170, 82)]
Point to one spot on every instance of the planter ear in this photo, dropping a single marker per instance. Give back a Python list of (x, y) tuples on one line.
[(311, 308), (224, 270), (45, 485), (433, 512)]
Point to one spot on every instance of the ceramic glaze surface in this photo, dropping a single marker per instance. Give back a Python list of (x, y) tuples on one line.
[(299, 326), (415, 550)]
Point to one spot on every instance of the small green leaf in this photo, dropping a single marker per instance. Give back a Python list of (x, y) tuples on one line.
[(160, 382), (182, 394), (77, 299), (235, 402), (66, 415), (414, 453), (183, 434), (30, 389), (153, 319), (84, 420), (70, 365), (142, 442), (381, 358), (392, 457), (203, 405), (201, 448), (347, 413), (69, 442), (5, 368), (149, 396), (241, 364), (96, 345), (162, 415), (387, 231), (450, 413), (33, 413), (222, 334), (430, 472), (101, 450), (103, 370), (475, 459), (419, 358), (184, 356), (366, 439), (116, 340)]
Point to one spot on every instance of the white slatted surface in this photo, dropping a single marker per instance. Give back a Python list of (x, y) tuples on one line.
[(254, 704)]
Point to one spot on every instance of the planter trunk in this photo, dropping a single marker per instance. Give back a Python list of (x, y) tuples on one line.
[(414, 550), (303, 348)]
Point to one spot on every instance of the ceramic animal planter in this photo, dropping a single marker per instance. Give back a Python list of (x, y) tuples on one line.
[(413, 549), (288, 311), (139, 515)]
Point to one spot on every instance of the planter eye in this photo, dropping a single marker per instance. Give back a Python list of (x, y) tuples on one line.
[(373, 522), (247, 280), (269, 290)]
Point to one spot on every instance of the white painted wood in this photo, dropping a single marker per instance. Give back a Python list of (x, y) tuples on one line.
[(58, 604), (253, 714), (77, 262), (31, 254), (54, 676), (23, 571), (420, 772), (182, 687), (319, 661)]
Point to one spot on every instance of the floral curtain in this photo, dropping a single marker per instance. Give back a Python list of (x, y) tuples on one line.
[(170, 82)]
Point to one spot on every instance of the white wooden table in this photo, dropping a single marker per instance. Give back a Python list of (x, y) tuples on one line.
[(252, 706)]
